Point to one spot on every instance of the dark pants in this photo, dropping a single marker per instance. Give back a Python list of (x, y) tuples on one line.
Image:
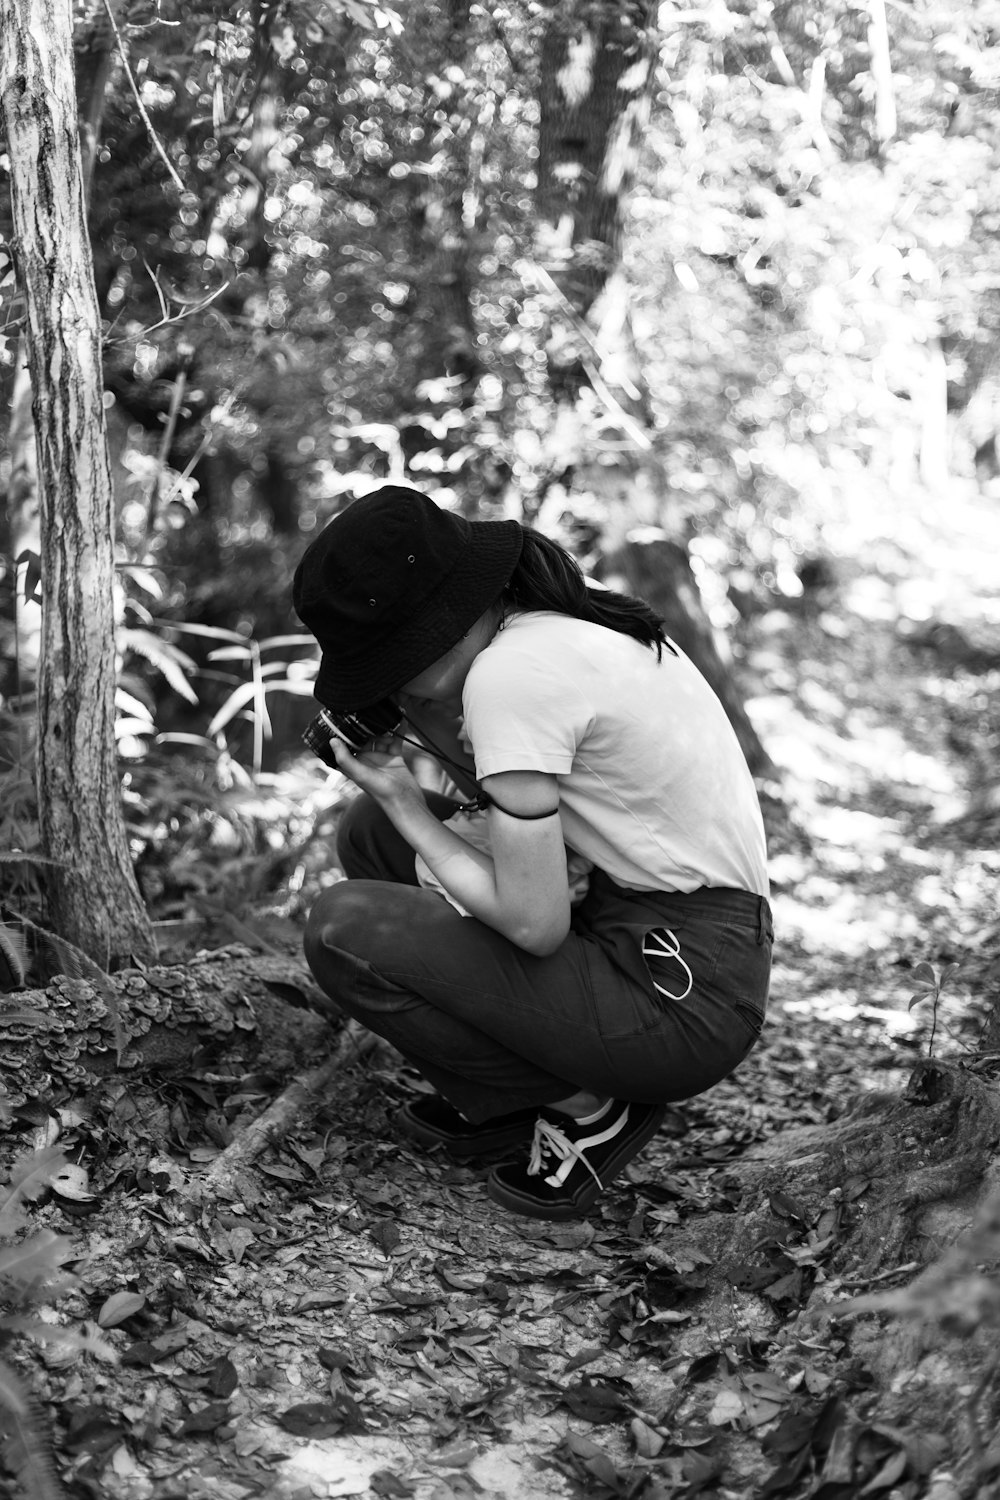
[(495, 1029)]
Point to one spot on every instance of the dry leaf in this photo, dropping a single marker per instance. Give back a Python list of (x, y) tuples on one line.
[(118, 1307)]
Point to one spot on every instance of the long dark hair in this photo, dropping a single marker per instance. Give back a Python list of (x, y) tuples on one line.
[(548, 577)]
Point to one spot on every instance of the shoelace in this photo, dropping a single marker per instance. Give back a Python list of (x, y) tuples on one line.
[(549, 1137), (664, 950)]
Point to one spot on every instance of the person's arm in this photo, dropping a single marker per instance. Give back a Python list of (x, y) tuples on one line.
[(522, 890)]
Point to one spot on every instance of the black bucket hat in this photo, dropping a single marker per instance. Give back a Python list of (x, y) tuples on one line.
[(391, 584)]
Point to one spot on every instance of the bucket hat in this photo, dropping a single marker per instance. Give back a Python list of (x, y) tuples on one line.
[(391, 584)]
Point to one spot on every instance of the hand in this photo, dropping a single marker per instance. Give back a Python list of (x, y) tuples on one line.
[(380, 770)]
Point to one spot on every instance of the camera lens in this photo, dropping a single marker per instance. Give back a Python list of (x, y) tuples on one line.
[(355, 730)]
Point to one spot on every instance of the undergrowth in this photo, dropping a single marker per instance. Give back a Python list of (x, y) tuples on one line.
[(33, 1275)]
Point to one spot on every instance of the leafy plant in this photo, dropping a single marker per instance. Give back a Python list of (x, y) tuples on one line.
[(249, 699), (13, 958), (71, 961), (32, 1272), (930, 983)]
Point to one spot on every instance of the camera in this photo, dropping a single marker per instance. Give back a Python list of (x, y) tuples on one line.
[(355, 730)]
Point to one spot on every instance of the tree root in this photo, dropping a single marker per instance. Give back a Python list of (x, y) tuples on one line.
[(901, 1174), (282, 1116), (899, 1200)]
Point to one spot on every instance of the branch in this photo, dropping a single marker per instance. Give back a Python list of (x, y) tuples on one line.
[(154, 138), (304, 1094), (881, 71)]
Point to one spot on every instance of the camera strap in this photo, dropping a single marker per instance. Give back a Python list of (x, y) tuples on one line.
[(483, 800)]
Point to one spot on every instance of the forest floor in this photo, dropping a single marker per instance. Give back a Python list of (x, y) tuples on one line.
[(361, 1320)]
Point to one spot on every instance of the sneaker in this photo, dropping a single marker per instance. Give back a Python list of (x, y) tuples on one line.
[(572, 1161), (432, 1121)]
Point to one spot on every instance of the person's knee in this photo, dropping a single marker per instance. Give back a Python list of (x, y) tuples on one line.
[(344, 917)]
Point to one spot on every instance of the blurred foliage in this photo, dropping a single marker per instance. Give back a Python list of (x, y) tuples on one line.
[(334, 281), (812, 296), (318, 259)]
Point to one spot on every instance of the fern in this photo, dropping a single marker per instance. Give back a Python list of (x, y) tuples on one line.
[(79, 965), (27, 1441), (29, 1271), (30, 1176), (169, 660), (27, 1267), (13, 958), (13, 1396)]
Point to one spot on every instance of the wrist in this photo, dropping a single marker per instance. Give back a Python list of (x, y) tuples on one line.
[(402, 802)]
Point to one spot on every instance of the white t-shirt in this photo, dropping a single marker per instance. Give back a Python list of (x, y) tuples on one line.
[(653, 786)]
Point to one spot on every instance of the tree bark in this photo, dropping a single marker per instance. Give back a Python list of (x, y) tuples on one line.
[(594, 93), (445, 216), (93, 895), (94, 62), (659, 571)]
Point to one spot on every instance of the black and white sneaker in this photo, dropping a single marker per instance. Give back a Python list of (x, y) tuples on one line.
[(432, 1121), (572, 1161)]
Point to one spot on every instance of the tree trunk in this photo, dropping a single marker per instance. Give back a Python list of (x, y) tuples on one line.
[(594, 92), (93, 895), (445, 215), (94, 60), (659, 571)]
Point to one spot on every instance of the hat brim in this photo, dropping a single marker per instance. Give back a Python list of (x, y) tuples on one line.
[(353, 679)]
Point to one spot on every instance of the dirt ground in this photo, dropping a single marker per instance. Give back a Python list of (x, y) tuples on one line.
[(359, 1320)]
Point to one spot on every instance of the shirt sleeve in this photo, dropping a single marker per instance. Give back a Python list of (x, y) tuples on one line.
[(522, 713)]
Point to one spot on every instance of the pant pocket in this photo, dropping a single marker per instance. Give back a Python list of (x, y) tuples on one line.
[(753, 1018), (674, 970)]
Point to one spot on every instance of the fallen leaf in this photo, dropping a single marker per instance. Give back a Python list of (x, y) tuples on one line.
[(648, 1443), (73, 1182), (586, 1458), (701, 1470), (459, 1283), (320, 1419), (281, 1173), (584, 1357), (925, 1450), (594, 1401), (387, 1235), (792, 1433), (575, 1236), (336, 1359), (91, 1430), (316, 1301), (893, 1469), (786, 1288), (206, 1418), (385, 1482), (455, 1456), (727, 1407), (222, 1377), (140, 1353), (119, 1306)]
